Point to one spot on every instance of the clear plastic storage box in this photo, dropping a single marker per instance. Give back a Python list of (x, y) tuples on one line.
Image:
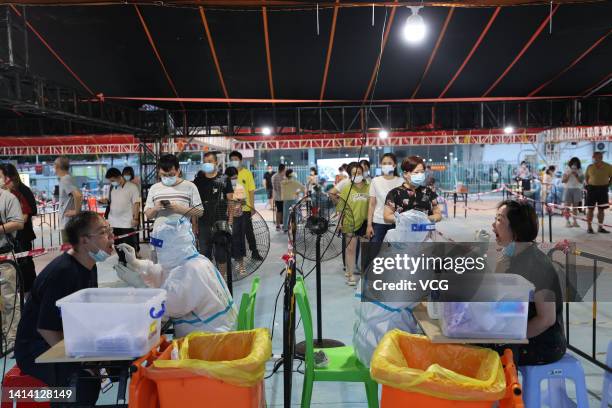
[(505, 318), (122, 322)]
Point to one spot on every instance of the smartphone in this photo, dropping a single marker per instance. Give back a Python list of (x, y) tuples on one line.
[(121, 255), (165, 203)]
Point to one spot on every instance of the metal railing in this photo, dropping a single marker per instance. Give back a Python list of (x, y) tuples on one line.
[(571, 294)]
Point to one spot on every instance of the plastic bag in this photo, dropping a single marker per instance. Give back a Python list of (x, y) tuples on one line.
[(411, 226), (237, 358), (412, 363)]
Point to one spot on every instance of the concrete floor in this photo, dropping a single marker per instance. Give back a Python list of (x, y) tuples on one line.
[(338, 303)]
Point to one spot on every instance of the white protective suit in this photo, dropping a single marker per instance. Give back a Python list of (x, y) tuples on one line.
[(197, 296), (374, 319)]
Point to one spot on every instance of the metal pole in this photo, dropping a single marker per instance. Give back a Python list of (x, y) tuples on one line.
[(594, 309), (550, 226), (25, 39), (319, 311), (542, 219), (9, 37)]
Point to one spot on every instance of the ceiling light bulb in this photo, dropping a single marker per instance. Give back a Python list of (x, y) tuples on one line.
[(266, 131), (414, 29), (383, 134), (508, 130)]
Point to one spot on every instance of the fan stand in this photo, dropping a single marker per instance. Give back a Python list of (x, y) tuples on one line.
[(319, 342)]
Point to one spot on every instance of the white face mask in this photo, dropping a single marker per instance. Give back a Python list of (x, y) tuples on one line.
[(358, 179), (127, 177), (2, 181), (387, 169)]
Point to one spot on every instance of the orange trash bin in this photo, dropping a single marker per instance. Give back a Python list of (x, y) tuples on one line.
[(190, 386)]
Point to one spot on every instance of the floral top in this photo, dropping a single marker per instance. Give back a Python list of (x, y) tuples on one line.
[(402, 199)]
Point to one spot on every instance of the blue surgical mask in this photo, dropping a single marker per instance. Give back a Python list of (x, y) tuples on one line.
[(234, 163), (115, 183), (168, 181), (208, 167), (509, 249), (417, 179), (127, 177), (99, 256)]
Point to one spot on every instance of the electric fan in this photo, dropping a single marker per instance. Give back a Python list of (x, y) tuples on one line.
[(237, 247), (320, 220)]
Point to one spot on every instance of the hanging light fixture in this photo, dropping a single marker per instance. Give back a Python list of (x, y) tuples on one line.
[(266, 131), (508, 130), (383, 134), (414, 29)]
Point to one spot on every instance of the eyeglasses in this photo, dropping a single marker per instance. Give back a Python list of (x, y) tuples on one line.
[(108, 231)]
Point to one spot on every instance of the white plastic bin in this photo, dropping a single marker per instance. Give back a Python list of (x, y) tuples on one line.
[(123, 322), (504, 319)]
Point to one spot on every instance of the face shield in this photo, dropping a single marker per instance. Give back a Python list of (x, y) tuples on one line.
[(173, 241)]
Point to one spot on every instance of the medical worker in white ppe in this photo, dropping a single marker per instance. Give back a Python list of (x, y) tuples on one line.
[(197, 296), (374, 319)]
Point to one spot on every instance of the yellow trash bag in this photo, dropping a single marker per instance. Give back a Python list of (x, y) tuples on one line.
[(237, 358), (449, 371)]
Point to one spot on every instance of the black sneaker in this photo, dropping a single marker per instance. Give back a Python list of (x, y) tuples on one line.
[(590, 230), (602, 230), (256, 257)]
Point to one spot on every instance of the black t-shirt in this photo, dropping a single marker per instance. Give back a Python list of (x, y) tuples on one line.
[(538, 269), (27, 233), (212, 191), (62, 277), (268, 177), (402, 199)]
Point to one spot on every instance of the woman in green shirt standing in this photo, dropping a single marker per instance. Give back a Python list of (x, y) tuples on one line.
[(356, 195)]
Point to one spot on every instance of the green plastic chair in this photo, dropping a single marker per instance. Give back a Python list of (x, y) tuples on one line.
[(246, 313), (343, 364)]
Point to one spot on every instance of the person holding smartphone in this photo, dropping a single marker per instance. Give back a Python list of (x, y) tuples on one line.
[(173, 195)]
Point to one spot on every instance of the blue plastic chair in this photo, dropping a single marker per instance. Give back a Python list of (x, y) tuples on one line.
[(556, 374), (606, 392)]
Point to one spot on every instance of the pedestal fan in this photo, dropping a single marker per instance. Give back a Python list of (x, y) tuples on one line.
[(237, 242), (320, 219)]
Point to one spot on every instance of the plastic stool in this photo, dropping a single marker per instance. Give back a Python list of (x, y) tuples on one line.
[(556, 374), (606, 392), (15, 378)]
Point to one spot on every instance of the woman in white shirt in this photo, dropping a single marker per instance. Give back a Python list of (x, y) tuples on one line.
[(573, 178), (379, 188)]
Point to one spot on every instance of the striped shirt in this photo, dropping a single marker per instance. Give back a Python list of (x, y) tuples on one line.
[(184, 193)]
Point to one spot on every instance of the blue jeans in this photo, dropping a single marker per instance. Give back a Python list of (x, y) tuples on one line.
[(286, 213), (380, 230)]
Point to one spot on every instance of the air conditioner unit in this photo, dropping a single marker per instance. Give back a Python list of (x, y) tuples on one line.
[(599, 146)]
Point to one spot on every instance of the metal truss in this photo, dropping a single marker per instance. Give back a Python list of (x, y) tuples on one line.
[(355, 140), (99, 149), (576, 133), (22, 92), (393, 117)]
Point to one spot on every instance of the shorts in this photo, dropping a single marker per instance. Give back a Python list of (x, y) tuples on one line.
[(572, 196), (361, 231), (211, 246), (597, 195), (279, 206), (269, 194)]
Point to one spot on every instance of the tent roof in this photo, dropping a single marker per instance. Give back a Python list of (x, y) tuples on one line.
[(152, 51)]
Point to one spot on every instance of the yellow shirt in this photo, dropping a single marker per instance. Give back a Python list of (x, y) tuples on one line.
[(599, 176), (245, 177)]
